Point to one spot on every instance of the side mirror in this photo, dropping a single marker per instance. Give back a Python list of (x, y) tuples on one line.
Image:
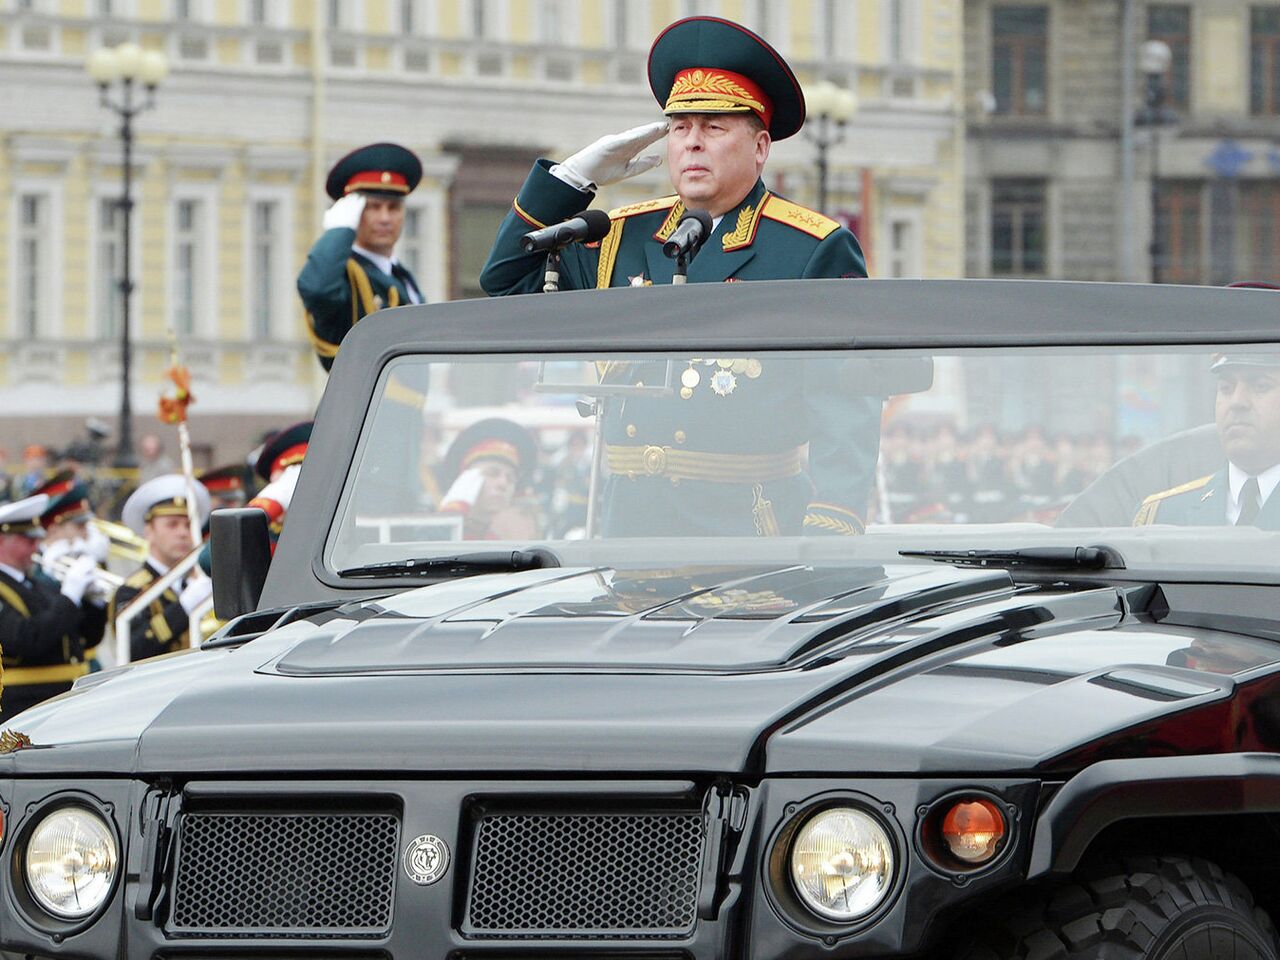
[(241, 549)]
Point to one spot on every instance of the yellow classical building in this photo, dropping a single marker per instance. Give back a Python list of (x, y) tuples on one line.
[(264, 95)]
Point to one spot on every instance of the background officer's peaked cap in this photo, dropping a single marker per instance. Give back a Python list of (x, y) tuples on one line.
[(284, 448), (381, 168), (710, 65), (494, 438)]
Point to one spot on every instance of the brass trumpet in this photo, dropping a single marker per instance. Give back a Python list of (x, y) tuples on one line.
[(102, 587)]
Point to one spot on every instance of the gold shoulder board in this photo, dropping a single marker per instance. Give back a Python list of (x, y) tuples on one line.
[(801, 218), (644, 206), (140, 579), (1174, 491)]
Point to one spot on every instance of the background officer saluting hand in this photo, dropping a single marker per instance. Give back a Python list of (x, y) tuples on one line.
[(727, 455), (47, 630), (352, 270)]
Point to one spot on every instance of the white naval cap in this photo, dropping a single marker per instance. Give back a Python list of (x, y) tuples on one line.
[(23, 516), (164, 496)]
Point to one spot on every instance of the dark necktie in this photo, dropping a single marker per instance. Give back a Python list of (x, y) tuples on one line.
[(401, 274), (1249, 503)]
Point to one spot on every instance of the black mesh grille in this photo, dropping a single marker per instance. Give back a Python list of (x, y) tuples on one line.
[(586, 874), (285, 872)]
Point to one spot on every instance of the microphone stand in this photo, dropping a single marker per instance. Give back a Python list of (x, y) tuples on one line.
[(551, 279), (682, 269)]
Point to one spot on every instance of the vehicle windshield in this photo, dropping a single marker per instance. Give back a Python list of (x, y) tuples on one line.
[(1170, 455)]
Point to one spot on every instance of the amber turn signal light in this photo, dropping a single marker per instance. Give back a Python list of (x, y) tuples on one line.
[(972, 830)]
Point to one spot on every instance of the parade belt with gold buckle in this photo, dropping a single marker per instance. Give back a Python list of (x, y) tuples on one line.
[(676, 464)]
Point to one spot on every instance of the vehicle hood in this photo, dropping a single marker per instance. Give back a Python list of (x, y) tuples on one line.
[(706, 669)]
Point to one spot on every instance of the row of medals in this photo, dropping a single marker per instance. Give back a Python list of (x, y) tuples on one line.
[(724, 380)]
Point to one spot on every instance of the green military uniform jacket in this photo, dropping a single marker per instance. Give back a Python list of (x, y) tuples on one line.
[(339, 287), (727, 458), (1201, 503), (162, 627), (47, 641)]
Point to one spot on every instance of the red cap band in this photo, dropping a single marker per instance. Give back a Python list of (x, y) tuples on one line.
[(385, 180)]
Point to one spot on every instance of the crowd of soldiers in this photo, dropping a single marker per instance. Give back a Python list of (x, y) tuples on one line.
[(934, 473)]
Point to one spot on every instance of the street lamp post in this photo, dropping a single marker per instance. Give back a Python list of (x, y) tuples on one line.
[(1154, 59), (126, 65), (829, 109)]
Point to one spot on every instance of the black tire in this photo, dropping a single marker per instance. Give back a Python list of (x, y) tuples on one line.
[(1150, 908)]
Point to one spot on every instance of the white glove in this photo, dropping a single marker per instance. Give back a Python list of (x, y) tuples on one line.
[(50, 554), (196, 592), (345, 212), (612, 158), (463, 492), (79, 576), (98, 545)]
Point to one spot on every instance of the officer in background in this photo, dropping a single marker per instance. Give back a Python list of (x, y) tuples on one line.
[(352, 270), (158, 511), (726, 456), (279, 465), (48, 632), (1243, 492), (488, 466)]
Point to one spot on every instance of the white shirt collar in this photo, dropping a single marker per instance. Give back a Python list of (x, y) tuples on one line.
[(14, 572), (378, 260), (1268, 480), (156, 565), (385, 264)]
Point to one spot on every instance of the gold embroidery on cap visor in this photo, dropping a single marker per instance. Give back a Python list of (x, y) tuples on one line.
[(705, 91)]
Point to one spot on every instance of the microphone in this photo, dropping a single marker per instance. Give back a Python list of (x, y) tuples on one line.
[(693, 230), (586, 227)]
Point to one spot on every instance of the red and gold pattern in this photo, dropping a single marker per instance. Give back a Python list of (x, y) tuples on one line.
[(384, 181), (707, 90)]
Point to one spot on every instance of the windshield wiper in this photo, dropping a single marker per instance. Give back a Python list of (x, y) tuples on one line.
[(1054, 558), (462, 564)]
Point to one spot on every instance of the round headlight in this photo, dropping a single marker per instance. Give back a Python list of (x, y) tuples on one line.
[(842, 864), (71, 862)]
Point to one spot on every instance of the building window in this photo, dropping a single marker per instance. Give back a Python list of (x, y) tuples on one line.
[(1018, 227), (105, 8), (1178, 227), (266, 240), (481, 19), (1172, 24), (334, 17), (182, 9), (1264, 61), (902, 249), (258, 12), (409, 249), (33, 262), (186, 263), (1260, 208), (109, 263), (408, 22), (1019, 57), (897, 32)]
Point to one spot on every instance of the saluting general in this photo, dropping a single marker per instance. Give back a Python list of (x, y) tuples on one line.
[(689, 464)]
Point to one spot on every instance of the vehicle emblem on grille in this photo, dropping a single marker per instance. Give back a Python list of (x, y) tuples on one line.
[(426, 859)]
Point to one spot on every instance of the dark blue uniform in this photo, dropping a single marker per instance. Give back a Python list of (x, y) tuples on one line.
[(1201, 503)]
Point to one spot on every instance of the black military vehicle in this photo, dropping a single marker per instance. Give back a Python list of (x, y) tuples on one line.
[(562, 653)]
